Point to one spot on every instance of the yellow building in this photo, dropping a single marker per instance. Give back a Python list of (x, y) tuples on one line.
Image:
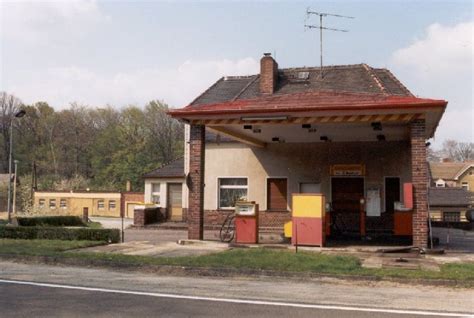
[(452, 191), (74, 202)]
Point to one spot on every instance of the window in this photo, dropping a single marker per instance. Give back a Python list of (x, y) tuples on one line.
[(62, 203), (465, 185), (277, 198), (52, 203), (41, 203), (451, 216), (155, 193), (112, 205), (100, 204), (231, 190)]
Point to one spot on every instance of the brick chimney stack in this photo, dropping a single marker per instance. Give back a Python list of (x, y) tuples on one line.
[(268, 74)]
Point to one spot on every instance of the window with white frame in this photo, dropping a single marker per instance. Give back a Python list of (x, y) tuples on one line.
[(62, 203), (52, 203), (231, 190), (155, 193), (41, 203), (465, 185), (100, 204), (112, 205)]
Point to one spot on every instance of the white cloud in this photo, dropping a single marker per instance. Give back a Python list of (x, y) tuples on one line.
[(46, 22), (440, 65), (60, 86)]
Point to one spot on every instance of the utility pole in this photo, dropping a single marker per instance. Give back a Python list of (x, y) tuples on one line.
[(321, 28)]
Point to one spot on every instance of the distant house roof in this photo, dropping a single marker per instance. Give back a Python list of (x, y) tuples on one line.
[(456, 197), (448, 170), (173, 169), (359, 78)]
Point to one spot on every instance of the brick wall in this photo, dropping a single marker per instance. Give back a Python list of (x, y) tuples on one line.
[(268, 75), (195, 212), (130, 197), (419, 173), (268, 221)]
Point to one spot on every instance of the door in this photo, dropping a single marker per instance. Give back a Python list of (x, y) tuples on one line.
[(346, 195), (277, 199), (392, 193), (175, 202)]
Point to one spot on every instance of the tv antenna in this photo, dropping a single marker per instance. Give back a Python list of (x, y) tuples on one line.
[(321, 28)]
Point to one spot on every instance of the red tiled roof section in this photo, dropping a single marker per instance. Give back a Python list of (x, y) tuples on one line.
[(310, 101)]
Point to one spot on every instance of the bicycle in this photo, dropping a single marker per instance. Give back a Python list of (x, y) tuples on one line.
[(227, 231)]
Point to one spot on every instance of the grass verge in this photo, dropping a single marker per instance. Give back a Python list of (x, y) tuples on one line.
[(42, 247), (242, 259)]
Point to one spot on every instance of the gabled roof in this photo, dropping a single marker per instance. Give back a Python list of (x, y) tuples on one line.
[(173, 169), (448, 170), (359, 78), (463, 170), (458, 197)]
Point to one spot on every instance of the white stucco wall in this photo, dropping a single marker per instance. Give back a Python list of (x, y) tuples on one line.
[(308, 162)]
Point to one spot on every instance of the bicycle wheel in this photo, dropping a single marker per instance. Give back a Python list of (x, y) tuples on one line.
[(227, 231)]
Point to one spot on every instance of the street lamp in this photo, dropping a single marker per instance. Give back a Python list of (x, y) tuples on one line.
[(18, 114)]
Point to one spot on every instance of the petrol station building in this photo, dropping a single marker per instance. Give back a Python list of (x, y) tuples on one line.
[(352, 133)]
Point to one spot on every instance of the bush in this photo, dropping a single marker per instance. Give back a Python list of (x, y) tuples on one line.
[(67, 220), (59, 233)]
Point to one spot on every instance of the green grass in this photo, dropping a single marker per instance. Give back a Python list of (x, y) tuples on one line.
[(42, 247), (253, 258), (94, 225)]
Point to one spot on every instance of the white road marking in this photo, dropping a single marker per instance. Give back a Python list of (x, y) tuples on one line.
[(242, 301)]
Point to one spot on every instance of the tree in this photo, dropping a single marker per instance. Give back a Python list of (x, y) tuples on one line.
[(457, 151), (164, 132), (9, 105)]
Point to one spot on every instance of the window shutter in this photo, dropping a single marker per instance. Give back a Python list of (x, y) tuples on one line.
[(277, 194)]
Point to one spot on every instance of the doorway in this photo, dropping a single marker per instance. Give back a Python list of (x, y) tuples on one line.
[(346, 193), (175, 202), (392, 193)]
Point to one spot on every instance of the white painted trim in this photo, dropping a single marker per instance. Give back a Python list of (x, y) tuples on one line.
[(463, 170), (241, 301), (218, 188), (287, 191)]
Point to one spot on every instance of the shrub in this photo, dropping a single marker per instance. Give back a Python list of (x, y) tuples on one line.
[(65, 220), (60, 233)]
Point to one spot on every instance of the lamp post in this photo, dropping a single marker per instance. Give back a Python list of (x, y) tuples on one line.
[(15, 175), (18, 114)]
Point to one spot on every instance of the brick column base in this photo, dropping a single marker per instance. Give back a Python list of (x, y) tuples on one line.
[(419, 176)]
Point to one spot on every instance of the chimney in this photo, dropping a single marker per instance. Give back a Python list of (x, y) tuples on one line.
[(447, 160), (128, 186), (268, 74)]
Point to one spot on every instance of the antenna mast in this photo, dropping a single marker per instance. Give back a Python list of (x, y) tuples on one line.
[(321, 28)]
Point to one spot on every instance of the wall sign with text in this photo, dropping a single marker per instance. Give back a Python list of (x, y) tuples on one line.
[(348, 170)]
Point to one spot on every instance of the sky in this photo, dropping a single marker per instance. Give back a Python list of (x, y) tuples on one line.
[(120, 53)]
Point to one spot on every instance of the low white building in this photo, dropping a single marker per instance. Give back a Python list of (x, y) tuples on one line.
[(166, 188)]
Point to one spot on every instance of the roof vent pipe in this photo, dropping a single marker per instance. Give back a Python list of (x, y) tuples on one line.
[(268, 74)]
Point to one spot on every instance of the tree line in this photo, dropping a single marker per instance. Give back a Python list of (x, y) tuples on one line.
[(88, 147)]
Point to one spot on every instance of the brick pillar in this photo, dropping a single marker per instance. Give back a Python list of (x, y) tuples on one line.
[(195, 213), (419, 175)]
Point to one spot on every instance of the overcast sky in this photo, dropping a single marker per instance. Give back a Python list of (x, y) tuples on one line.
[(130, 52)]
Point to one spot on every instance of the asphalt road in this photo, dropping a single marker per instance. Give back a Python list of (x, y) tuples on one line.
[(39, 301), (37, 290)]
